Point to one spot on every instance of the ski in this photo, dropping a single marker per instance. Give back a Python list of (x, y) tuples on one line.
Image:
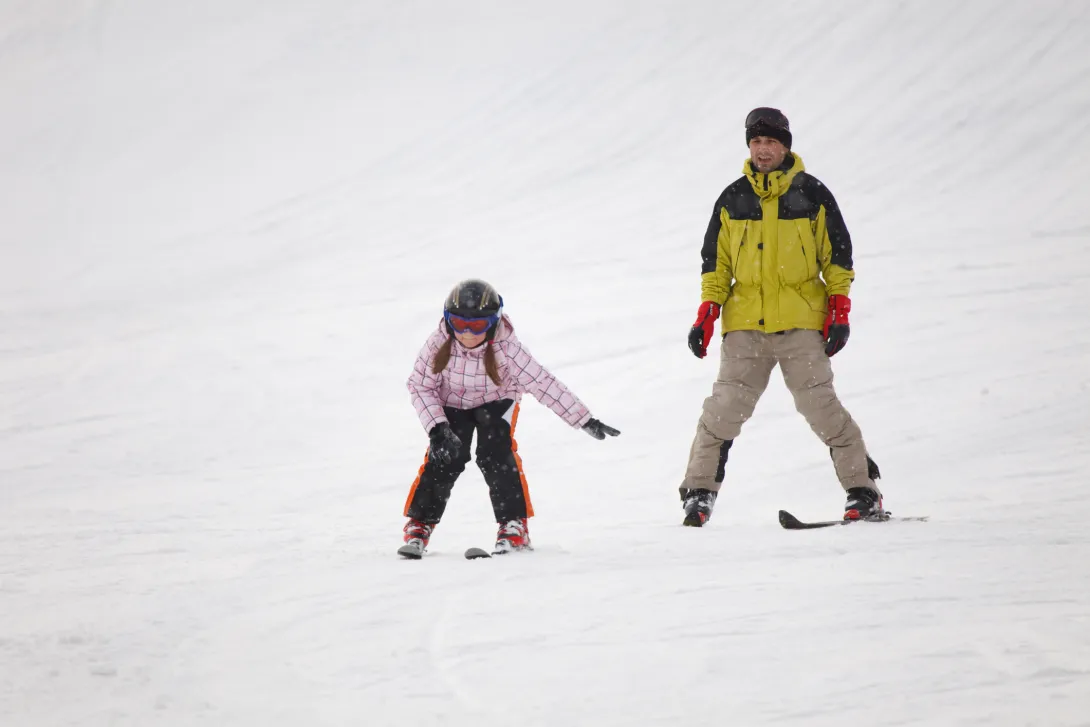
[(475, 553), (790, 522), (415, 552), (411, 551)]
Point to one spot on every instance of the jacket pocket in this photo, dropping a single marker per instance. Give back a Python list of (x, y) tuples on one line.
[(746, 262), (791, 255), (807, 249)]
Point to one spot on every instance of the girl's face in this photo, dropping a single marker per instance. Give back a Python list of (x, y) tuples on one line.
[(470, 339)]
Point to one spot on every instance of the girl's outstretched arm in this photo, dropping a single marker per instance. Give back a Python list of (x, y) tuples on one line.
[(533, 378)]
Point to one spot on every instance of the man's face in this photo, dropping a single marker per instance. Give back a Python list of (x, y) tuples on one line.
[(766, 153)]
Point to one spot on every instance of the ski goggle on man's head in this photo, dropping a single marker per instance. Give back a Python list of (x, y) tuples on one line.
[(769, 117), (461, 324)]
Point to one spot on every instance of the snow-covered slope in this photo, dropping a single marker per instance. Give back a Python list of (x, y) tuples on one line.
[(226, 228)]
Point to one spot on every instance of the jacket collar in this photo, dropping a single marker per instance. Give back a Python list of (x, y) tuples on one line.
[(775, 183)]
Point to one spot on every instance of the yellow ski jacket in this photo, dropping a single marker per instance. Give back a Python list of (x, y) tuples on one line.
[(775, 250)]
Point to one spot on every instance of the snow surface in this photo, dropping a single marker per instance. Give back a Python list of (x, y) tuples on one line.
[(227, 228)]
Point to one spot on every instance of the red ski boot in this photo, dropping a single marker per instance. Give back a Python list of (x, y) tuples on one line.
[(513, 535), (416, 539)]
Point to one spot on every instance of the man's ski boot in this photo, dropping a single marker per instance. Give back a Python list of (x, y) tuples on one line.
[(513, 535), (416, 538), (698, 507), (864, 504)]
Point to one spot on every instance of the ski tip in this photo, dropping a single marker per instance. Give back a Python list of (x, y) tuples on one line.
[(409, 552), (475, 553), (788, 520)]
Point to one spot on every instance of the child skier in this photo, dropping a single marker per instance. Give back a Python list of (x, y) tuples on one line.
[(470, 376)]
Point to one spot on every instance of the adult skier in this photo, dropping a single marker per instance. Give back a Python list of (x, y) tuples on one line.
[(777, 263)]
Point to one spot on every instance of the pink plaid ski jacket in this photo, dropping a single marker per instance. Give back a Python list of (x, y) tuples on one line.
[(464, 383)]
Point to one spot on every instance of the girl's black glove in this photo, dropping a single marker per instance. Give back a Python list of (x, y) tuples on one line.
[(598, 430), (445, 444)]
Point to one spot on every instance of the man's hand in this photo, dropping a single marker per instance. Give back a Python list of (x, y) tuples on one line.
[(700, 335), (836, 328)]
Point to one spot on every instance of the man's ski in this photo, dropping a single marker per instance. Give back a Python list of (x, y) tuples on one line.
[(475, 553), (790, 522)]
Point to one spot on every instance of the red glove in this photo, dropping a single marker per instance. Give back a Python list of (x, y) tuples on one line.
[(836, 328), (701, 332)]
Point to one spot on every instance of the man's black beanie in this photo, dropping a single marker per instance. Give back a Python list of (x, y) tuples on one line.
[(769, 122)]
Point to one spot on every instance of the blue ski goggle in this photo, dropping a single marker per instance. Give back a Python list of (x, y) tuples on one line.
[(477, 326)]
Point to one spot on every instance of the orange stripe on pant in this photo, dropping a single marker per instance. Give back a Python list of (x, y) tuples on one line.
[(518, 463), (416, 483)]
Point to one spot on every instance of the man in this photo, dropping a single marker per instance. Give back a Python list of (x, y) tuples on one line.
[(778, 262)]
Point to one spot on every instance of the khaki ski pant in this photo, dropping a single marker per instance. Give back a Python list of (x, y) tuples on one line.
[(746, 362)]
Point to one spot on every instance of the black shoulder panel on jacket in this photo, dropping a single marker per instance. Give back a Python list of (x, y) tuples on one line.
[(709, 251), (796, 205), (807, 194), (741, 201), (738, 207)]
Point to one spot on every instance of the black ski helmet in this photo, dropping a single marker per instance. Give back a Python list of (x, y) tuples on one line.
[(473, 299)]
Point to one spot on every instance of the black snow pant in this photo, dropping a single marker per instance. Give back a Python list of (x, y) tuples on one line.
[(497, 457)]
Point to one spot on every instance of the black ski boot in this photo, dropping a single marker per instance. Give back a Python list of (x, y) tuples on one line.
[(698, 507), (864, 504)]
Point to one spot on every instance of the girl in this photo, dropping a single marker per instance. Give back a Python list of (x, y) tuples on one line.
[(470, 376)]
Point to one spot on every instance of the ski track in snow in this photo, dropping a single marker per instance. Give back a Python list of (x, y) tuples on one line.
[(226, 232)]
